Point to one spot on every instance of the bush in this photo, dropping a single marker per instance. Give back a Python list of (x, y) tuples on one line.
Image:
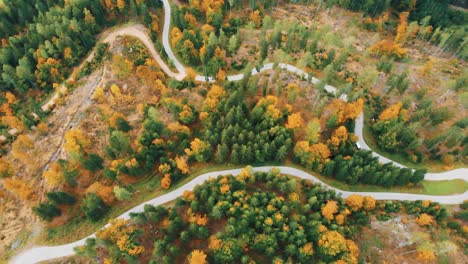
[(462, 215), (454, 225), (93, 162), (61, 198), (47, 211), (93, 207)]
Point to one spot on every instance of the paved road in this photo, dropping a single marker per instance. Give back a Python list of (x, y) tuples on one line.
[(38, 254)]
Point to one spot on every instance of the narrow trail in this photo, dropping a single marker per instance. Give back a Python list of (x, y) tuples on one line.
[(38, 254)]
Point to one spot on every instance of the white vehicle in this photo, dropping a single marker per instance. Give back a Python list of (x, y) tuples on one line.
[(358, 146)]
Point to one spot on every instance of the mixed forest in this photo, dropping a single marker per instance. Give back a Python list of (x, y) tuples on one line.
[(123, 131)]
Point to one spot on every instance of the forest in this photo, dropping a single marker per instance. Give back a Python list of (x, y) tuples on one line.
[(93, 123), (254, 217)]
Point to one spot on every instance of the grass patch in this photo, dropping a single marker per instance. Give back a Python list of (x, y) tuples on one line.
[(445, 187), (430, 165)]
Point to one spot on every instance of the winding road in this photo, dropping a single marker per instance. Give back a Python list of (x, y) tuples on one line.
[(38, 254)]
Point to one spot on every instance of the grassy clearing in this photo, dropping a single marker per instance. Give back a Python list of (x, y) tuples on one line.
[(430, 165), (445, 187)]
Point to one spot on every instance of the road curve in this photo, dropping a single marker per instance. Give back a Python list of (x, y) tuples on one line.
[(461, 173), (38, 254)]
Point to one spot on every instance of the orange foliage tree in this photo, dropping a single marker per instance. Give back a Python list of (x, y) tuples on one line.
[(182, 164), (256, 18), (105, 192), (319, 152), (75, 143), (332, 243), (402, 28), (21, 148), (369, 203), (166, 181), (199, 149), (19, 188), (122, 234), (197, 257), (355, 202), (329, 209), (391, 112), (294, 121), (212, 98), (424, 220), (388, 47), (6, 169), (176, 36), (53, 175)]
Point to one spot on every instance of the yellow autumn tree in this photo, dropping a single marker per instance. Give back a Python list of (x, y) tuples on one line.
[(212, 98), (75, 143), (53, 175), (329, 209), (99, 95), (166, 181), (256, 18), (191, 74), (355, 201), (105, 192), (176, 36), (424, 220), (21, 148), (221, 75), (353, 110), (19, 188), (428, 66), (426, 255), (369, 203), (339, 136), (6, 169), (402, 28), (215, 243), (176, 127), (191, 19), (120, 233), (154, 23), (340, 219), (182, 164), (13, 122), (197, 257), (319, 152), (388, 47), (199, 149), (294, 121), (391, 112), (332, 243), (113, 120)]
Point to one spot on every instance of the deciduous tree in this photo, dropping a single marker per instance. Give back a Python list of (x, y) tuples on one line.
[(329, 209)]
